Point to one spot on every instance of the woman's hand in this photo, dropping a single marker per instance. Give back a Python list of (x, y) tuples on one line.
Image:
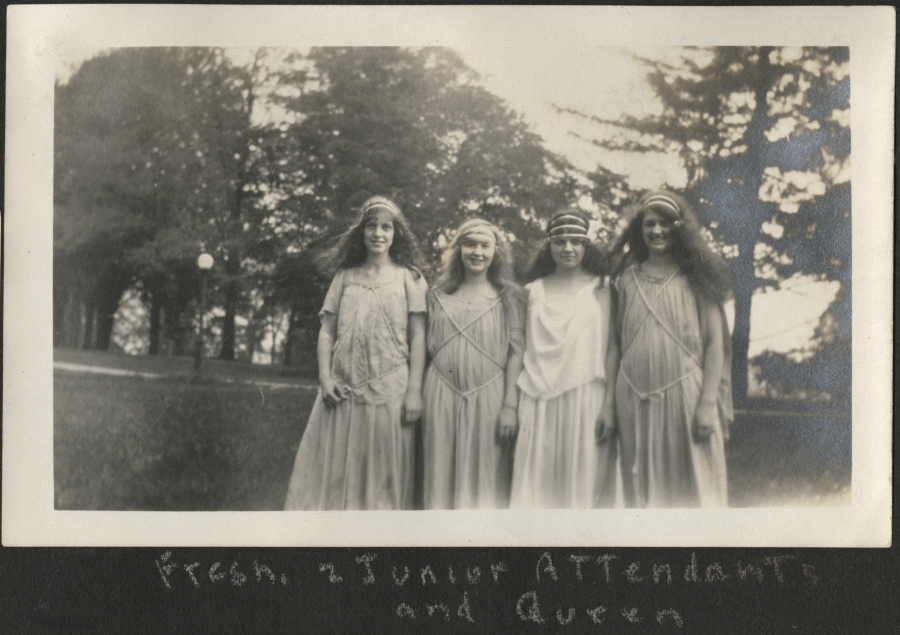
[(705, 420), (507, 424), (412, 407), (606, 423), (332, 392)]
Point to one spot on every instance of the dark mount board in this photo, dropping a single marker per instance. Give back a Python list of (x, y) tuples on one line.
[(156, 590)]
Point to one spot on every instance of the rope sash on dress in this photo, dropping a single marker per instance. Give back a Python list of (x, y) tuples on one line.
[(644, 398), (461, 330), (464, 396)]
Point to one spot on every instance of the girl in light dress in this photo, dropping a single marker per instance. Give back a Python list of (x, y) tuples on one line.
[(566, 450), (673, 391), (358, 448), (475, 342)]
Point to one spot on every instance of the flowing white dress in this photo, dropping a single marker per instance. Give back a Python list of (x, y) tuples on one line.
[(558, 463), (357, 455), (657, 392), (465, 465)]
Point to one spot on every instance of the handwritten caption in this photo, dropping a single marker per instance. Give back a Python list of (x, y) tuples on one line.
[(604, 569)]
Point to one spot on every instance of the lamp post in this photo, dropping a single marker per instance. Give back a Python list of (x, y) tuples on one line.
[(204, 264)]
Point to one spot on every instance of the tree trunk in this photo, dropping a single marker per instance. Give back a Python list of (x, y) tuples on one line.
[(274, 335), (107, 306), (155, 323), (289, 339), (59, 314), (744, 284), (89, 336), (755, 212), (232, 297), (60, 302)]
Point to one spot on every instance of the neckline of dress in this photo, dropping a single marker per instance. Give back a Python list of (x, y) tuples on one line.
[(377, 284), (657, 279), (477, 300), (596, 280)]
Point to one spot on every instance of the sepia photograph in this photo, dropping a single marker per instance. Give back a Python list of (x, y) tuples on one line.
[(491, 285)]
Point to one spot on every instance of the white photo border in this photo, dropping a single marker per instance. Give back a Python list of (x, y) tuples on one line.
[(37, 37)]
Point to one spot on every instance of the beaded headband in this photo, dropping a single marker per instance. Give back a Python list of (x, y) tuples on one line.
[(567, 226), (661, 200)]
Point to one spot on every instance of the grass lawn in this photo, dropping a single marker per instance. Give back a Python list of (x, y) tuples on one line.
[(123, 443), (129, 443), (789, 460)]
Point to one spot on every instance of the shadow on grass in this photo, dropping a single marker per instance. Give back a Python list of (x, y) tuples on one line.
[(789, 460), (124, 443)]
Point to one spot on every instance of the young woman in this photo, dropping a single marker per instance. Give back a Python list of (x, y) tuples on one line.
[(475, 340), (357, 450), (673, 392), (566, 451)]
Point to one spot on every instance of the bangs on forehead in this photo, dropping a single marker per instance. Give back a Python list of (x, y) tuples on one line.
[(376, 214), (662, 211), (479, 234), (575, 238)]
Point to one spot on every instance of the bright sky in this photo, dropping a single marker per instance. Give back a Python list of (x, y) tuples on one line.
[(607, 82), (599, 81)]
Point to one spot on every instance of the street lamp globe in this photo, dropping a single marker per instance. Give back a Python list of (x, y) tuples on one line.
[(205, 262)]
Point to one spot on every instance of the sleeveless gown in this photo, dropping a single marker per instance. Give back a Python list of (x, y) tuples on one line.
[(558, 463), (465, 465), (657, 392)]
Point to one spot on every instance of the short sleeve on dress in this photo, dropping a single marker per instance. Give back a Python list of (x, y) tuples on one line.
[(416, 289), (333, 298)]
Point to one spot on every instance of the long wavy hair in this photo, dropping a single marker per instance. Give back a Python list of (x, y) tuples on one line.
[(706, 270), (595, 260), (351, 247), (499, 273)]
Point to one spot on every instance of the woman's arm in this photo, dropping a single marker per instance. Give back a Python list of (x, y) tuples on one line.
[(412, 402), (508, 423), (606, 422), (331, 392), (713, 366)]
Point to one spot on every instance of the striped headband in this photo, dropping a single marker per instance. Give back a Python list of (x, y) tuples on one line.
[(567, 226), (662, 200), (380, 201)]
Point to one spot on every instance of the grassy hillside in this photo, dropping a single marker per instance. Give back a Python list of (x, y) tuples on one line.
[(221, 443)]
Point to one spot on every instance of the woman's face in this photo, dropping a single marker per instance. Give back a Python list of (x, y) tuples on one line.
[(656, 230), (378, 233), (477, 253), (567, 252)]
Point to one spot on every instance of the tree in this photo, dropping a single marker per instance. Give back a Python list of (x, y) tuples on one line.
[(106, 119), (155, 160), (212, 158), (763, 135), (162, 153), (415, 124)]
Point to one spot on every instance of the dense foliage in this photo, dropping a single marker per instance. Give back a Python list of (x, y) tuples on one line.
[(162, 153)]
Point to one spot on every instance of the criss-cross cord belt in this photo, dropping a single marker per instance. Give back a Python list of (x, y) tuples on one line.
[(465, 395), (644, 398)]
